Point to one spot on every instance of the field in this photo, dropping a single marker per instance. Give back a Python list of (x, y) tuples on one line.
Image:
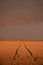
[(21, 52)]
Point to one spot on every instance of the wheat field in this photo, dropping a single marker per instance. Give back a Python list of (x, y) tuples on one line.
[(21, 52)]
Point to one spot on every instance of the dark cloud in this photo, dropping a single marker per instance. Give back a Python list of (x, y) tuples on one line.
[(29, 9), (28, 12), (22, 32)]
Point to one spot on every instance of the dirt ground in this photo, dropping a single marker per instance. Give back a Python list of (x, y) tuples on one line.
[(21, 52)]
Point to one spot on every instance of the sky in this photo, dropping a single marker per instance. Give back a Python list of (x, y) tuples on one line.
[(21, 19)]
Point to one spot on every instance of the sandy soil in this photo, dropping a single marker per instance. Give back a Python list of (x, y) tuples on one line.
[(21, 52)]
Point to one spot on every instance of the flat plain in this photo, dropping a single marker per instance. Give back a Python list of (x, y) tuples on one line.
[(21, 52)]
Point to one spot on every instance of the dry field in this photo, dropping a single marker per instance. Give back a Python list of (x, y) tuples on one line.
[(21, 52)]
